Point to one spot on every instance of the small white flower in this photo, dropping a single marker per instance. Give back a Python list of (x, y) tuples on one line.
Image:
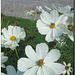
[(30, 12), (67, 10), (3, 59), (60, 41), (49, 24), (39, 9), (11, 37), (40, 62), (68, 69), (11, 71)]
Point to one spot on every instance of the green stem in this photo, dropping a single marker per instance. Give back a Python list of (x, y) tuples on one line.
[(16, 53), (7, 24)]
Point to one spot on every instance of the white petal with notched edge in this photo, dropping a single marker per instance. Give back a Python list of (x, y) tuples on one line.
[(43, 28), (31, 53), (41, 50), (46, 18)]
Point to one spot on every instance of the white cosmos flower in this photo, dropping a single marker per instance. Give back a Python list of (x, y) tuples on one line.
[(40, 62), (49, 25), (39, 9), (12, 36), (68, 69), (60, 41), (11, 71), (3, 59), (67, 10), (30, 12)]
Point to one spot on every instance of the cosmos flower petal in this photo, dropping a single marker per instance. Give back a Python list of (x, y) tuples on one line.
[(56, 67), (64, 72), (71, 35), (49, 36), (40, 71), (2, 65), (52, 56), (31, 53), (54, 15), (31, 71), (21, 35), (48, 71), (15, 31), (43, 28), (24, 64), (57, 32), (5, 33), (10, 30), (4, 59), (19, 73), (11, 70), (3, 74), (41, 50), (61, 20), (46, 18)]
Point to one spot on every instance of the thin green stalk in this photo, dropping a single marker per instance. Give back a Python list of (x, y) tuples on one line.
[(16, 53), (7, 24)]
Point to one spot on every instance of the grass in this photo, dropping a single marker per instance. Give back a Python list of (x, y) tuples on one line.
[(33, 37)]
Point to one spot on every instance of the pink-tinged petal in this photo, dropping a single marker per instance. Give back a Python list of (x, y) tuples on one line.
[(61, 20)]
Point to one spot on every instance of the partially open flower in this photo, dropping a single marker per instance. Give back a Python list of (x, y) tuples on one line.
[(68, 69)]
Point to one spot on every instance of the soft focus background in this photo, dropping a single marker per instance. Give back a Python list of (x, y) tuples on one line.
[(19, 7)]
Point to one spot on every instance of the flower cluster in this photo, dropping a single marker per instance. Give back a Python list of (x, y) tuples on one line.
[(53, 23)]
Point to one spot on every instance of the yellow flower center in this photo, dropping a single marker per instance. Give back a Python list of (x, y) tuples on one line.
[(13, 38), (67, 67), (72, 9), (52, 25), (60, 41), (40, 62), (32, 14), (29, 10)]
